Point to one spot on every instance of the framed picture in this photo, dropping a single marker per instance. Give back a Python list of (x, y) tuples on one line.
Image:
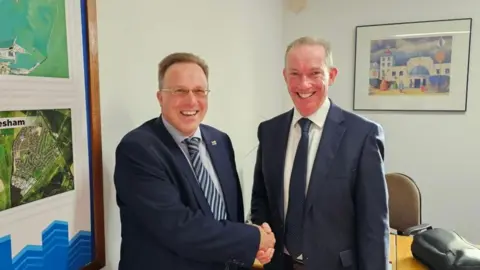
[(51, 191), (412, 66)]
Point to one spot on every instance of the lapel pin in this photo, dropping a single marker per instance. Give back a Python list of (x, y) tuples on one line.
[(214, 142)]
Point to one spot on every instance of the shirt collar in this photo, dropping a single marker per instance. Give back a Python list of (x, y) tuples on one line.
[(177, 136), (318, 117)]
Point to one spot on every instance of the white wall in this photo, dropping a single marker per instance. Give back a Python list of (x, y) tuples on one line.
[(241, 41), (416, 142)]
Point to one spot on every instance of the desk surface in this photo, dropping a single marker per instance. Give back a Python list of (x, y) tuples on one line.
[(400, 255), (404, 259)]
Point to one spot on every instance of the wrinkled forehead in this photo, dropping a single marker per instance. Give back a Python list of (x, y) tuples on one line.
[(304, 57)]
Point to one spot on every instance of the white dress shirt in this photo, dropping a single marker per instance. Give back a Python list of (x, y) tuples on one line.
[(315, 134)]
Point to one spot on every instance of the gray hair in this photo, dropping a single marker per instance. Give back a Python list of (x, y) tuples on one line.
[(306, 40)]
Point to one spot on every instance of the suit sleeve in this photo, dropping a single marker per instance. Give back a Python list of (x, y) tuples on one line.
[(148, 193), (372, 204), (241, 210), (259, 203)]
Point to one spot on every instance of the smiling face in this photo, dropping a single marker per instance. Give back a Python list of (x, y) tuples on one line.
[(183, 103), (308, 77)]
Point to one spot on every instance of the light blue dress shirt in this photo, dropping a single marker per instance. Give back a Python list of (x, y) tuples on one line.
[(204, 156)]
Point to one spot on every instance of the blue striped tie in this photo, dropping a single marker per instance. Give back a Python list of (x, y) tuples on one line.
[(217, 205)]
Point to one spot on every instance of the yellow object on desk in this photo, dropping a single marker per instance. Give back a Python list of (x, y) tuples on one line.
[(405, 259)]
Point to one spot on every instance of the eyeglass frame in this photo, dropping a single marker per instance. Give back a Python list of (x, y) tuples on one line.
[(175, 92)]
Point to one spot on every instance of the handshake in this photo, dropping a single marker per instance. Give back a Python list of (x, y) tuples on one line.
[(267, 244)]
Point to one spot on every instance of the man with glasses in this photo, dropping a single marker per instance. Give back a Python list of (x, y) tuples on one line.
[(177, 186)]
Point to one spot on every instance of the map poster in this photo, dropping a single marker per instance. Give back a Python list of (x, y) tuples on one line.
[(48, 170), (36, 158), (33, 38)]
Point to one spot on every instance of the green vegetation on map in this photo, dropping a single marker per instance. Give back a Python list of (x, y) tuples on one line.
[(36, 159), (33, 38)]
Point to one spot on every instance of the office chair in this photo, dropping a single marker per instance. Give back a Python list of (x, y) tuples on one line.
[(405, 204)]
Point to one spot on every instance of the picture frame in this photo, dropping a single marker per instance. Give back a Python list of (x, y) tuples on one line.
[(92, 84), (51, 177), (412, 66)]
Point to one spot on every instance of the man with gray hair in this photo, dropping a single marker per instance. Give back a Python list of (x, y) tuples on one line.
[(319, 178)]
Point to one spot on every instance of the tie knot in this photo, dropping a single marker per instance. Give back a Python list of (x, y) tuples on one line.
[(304, 124), (192, 142)]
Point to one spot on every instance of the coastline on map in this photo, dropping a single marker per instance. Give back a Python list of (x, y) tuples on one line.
[(33, 39), (36, 159)]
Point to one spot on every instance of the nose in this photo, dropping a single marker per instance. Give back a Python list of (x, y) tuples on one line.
[(191, 98), (305, 82)]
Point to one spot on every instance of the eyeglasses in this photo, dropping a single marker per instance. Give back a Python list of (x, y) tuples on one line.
[(185, 92)]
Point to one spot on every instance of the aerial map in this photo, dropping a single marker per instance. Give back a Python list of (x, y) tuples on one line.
[(36, 159), (33, 38)]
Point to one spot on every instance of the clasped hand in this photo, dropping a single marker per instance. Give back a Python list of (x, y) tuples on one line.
[(267, 244)]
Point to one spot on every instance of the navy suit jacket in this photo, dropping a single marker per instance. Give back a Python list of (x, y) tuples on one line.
[(346, 213), (166, 220)]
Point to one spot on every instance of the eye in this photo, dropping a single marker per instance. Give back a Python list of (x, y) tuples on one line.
[(199, 92), (180, 91)]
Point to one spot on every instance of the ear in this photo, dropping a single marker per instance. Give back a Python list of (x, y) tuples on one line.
[(284, 74), (159, 97), (332, 73)]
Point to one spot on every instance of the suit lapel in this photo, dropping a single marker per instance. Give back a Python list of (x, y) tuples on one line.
[(330, 141), (278, 145), (218, 156), (183, 164)]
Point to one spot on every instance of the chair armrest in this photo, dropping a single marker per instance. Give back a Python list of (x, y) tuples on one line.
[(416, 229)]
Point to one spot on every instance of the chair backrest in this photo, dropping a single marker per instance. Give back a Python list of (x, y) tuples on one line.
[(405, 202)]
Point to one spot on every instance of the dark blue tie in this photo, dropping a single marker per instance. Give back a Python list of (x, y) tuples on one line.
[(296, 197)]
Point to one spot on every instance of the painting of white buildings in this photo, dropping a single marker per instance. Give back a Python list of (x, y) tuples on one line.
[(414, 66)]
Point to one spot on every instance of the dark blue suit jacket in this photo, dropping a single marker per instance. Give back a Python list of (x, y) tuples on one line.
[(166, 220), (346, 220)]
